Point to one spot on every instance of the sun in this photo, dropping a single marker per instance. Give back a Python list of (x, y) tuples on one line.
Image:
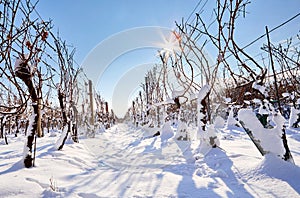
[(170, 45)]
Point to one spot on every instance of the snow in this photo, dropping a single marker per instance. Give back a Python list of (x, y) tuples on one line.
[(124, 162), (219, 122), (260, 88), (26, 149), (227, 100), (176, 93), (270, 139), (231, 121), (61, 139), (203, 92), (166, 132), (165, 102), (294, 116), (20, 60), (182, 132), (285, 95)]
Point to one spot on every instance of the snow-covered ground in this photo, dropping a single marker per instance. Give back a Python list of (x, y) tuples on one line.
[(121, 162)]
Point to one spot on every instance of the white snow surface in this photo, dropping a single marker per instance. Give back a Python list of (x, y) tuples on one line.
[(203, 92), (231, 121), (270, 139), (182, 131), (201, 95), (260, 88), (294, 116), (166, 132), (124, 162)]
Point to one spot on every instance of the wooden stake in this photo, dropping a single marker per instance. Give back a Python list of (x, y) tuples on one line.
[(39, 121), (273, 68), (91, 102)]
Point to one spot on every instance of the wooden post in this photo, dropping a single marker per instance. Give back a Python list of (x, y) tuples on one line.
[(1, 127), (274, 73), (107, 125), (133, 113), (91, 102), (141, 114), (147, 95), (9, 125), (48, 124), (39, 121), (288, 155), (106, 108), (157, 108), (17, 126)]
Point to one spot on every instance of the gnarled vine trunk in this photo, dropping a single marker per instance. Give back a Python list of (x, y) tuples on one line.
[(65, 121), (23, 72)]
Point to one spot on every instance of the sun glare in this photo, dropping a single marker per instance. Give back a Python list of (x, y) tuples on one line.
[(170, 44)]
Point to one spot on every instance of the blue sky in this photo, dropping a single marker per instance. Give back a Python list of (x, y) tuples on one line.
[(86, 23)]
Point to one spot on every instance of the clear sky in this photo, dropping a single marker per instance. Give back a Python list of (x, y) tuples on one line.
[(86, 23)]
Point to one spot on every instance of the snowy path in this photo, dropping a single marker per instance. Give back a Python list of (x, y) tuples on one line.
[(121, 163), (123, 148), (135, 167), (137, 164), (138, 167)]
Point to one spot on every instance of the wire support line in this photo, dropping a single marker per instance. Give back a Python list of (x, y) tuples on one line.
[(273, 29), (262, 36), (193, 12)]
